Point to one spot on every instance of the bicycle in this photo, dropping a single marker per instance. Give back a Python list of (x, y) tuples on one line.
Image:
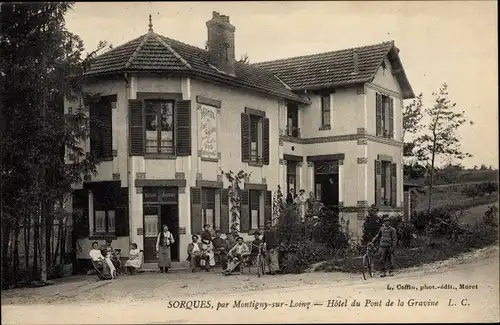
[(368, 260)]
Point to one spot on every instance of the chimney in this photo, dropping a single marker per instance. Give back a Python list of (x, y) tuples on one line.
[(355, 59), (220, 44)]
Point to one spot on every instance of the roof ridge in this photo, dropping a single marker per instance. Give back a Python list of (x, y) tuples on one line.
[(114, 49), (137, 49), (179, 57), (322, 53)]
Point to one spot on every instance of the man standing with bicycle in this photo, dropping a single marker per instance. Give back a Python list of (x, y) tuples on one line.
[(388, 239)]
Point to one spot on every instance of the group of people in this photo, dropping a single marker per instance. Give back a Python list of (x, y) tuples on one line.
[(107, 259), (231, 251), (303, 202)]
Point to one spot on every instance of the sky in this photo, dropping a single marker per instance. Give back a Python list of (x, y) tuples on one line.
[(450, 41)]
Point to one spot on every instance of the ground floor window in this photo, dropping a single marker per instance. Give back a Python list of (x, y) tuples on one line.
[(385, 190), (104, 221), (256, 209), (291, 176), (209, 207)]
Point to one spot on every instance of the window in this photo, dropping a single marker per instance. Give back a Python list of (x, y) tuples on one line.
[(292, 128), (386, 183), (255, 138), (325, 110), (160, 127), (104, 221), (101, 133), (384, 116), (209, 214), (291, 175), (256, 212)]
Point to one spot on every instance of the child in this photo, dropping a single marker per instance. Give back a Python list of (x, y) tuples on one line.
[(108, 257), (388, 239), (134, 262), (255, 245)]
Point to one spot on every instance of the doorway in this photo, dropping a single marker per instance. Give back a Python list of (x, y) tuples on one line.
[(170, 217), (327, 184), (155, 216)]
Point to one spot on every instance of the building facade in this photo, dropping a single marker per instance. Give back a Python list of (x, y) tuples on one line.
[(168, 118)]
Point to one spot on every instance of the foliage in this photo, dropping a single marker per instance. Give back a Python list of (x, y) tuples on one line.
[(371, 225), (245, 59), (299, 255), (42, 63), (489, 187), (491, 215), (278, 205), (234, 188), (441, 139), (472, 191)]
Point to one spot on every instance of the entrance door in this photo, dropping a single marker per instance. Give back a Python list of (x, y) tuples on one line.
[(170, 217), (151, 231), (328, 187)]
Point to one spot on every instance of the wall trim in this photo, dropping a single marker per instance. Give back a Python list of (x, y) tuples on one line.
[(203, 183), (253, 111), (293, 157), (384, 157), (160, 182), (160, 95), (345, 137), (252, 186), (337, 156), (208, 101)]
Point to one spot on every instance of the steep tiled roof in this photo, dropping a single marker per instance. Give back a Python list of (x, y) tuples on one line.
[(337, 68), (153, 52)]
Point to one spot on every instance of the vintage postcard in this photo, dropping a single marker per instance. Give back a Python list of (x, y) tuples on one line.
[(249, 162)]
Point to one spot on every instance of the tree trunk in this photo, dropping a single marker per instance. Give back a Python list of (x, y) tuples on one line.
[(15, 260), (36, 236), (27, 228), (5, 252)]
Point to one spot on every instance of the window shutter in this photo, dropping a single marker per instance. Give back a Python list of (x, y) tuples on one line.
[(81, 201), (224, 211), (378, 114), (265, 141), (391, 118), (268, 206), (245, 137), (106, 129), (245, 211), (136, 127), (394, 185), (95, 134), (196, 218), (183, 128), (378, 182), (121, 213)]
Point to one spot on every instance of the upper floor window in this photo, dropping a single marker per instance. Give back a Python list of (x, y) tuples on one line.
[(254, 137), (384, 116), (292, 127), (325, 110), (160, 126), (101, 130)]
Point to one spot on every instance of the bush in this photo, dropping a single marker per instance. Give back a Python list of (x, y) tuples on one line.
[(405, 231), (490, 216), (488, 187), (371, 225), (298, 256)]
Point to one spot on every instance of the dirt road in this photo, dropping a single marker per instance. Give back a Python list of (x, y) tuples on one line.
[(421, 294)]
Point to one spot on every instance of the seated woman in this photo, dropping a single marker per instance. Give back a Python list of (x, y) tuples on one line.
[(236, 254), (134, 261), (100, 261), (207, 254), (194, 252), (115, 254)]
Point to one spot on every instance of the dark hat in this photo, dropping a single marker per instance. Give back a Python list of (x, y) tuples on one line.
[(239, 237), (206, 225), (268, 222), (229, 233), (195, 236), (302, 191), (256, 233), (385, 218)]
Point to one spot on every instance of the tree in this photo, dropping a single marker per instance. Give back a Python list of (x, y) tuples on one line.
[(412, 116), (441, 139), (38, 56), (245, 58), (483, 167)]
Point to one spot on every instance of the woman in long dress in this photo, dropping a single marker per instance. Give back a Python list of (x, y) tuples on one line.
[(207, 255), (165, 239)]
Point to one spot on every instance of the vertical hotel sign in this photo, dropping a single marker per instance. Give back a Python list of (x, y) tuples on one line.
[(207, 131)]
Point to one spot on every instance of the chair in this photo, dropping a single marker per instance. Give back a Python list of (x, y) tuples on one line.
[(99, 269)]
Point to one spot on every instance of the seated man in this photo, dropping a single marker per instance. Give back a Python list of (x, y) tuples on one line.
[(219, 249), (236, 254), (194, 253)]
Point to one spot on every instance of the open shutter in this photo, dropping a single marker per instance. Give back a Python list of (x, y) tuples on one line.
[(265, 141), (183, 127), (106, 129), (245, 137), (391, 119), (136, 127), (378, 112), (196, 218), (245, 211), (121, 213), (224, 211), (81, 222), (95, 134), (394, 185), (268, 202), (378, 182)]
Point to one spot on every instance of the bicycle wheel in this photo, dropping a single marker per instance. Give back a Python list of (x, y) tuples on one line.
[(260, 267)]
